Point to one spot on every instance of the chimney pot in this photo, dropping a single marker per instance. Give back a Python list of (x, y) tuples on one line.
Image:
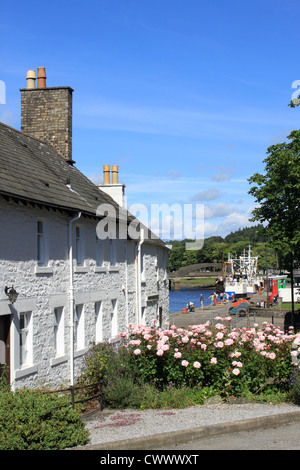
[(41, 75), (114, 173), (106, 175), (30, 77)]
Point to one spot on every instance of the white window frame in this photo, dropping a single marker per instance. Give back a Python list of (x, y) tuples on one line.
[(143, 277), (99, 252), (114, 318), (99, 321), (59, 331), (79, 327), (113, 252), (143, 315), (25, 340)]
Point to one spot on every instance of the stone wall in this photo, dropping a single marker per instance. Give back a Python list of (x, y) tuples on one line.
[(277, 316)]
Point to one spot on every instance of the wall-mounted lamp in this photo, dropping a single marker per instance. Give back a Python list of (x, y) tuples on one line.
[(11, 293)]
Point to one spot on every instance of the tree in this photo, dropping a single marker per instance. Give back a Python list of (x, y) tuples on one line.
[(278, 194)]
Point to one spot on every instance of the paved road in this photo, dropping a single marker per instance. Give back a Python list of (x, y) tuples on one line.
[(280, 438), (183, 320)]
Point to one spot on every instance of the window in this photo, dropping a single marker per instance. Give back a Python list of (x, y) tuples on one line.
[(79, 247), (99, 251), (79, 327), (59, 331), (113, 252), (143, 279), (25, 339), (98, 316), (114, 319), (40, 243), (143, 315)]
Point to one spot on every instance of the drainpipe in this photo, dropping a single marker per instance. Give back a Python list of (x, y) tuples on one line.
[(126, 282), (139, 280), (71, 299)]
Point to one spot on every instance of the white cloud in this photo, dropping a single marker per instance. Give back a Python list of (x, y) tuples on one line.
[(221, 209), (224, 174), (206, 195)]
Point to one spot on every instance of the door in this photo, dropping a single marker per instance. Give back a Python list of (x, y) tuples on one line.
[(5, 347)]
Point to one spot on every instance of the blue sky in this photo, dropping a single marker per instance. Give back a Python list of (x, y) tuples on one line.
[(184, 95)]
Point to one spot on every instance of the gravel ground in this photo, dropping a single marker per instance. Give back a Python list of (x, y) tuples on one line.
[(111, 426)]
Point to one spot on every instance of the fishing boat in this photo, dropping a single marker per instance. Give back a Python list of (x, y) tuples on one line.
[(240, 276)]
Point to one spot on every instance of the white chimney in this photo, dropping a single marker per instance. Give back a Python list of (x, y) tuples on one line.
[(114, 189)]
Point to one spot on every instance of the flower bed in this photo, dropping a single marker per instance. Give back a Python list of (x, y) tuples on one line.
[(231, 360)]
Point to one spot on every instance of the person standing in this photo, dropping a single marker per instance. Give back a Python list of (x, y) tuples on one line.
[(201, 300)]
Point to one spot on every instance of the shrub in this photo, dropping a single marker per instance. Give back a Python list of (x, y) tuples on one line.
[(122, 381), (295, 386), (95, 363), (33, 420), (233, 361), (173, 396), (200, 361)]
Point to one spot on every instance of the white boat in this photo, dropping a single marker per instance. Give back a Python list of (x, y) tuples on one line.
[(241, 276)]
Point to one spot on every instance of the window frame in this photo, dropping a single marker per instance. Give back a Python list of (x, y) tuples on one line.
[(25, 331), (79, 336), (59, 331)]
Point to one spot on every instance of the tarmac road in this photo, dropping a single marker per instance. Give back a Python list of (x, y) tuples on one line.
[(285, 437)]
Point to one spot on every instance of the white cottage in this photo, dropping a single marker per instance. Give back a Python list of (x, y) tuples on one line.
[(73, 286)]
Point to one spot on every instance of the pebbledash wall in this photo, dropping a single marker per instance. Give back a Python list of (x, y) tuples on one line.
[(109, 293)]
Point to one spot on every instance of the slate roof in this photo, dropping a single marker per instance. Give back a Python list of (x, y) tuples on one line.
[(30, 170)]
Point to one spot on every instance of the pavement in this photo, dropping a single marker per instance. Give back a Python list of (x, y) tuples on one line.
[(176, 437), (207, 313)]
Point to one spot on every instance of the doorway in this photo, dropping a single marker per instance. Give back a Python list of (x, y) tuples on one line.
[(5, 347)]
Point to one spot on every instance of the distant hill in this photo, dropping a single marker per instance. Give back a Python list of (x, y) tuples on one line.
[(251, 234), (217, 248)]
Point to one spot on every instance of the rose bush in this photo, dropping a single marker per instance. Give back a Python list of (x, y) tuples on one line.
[(231, 360)]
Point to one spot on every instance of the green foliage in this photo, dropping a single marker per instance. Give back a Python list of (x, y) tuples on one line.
[(244, 361), (216, 249), (95, 363), (34, 420), (174, 368), (122, 381), (277, 193), (294, 390), (173, 396)]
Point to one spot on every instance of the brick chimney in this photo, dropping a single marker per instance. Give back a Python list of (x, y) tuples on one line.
[(46, 114)]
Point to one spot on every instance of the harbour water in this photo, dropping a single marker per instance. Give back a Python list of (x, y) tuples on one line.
[(179, 299)]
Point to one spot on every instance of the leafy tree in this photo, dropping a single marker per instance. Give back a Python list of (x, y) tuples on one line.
[(176, 258), (251, 234), (278, 194)]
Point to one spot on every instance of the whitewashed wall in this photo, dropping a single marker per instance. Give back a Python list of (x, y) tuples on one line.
[(42, 289)]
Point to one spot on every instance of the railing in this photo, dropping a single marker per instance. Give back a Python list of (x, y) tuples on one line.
[(71, 390), (240, 320)]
